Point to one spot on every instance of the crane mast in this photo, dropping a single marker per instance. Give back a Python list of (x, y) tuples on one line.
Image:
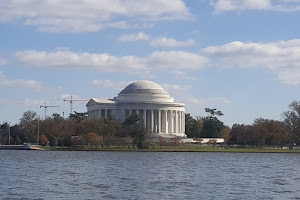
[(45, 107), (71, 102)]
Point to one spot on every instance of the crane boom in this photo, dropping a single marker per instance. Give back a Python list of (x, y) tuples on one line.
[(45, 106), (71, 102)]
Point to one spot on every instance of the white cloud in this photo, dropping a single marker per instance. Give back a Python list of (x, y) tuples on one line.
[(19, 83), (175, 90), (282, 57), (116, 85), (2, 61), (170, 42), (67, 60), (89, 15), (68, 97), (176, 60), (181, 75), (231, 5), (134, 37), (207, 102)]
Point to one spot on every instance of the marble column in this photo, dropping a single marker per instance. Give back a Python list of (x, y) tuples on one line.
[(152, 121), (183, 122), (138, 114), (169, 121), (176, 122), (145, 117), (159, 121), (166, 122), (105, 113)]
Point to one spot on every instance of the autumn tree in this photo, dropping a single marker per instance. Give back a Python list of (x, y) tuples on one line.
[(269, 132), (225, 133), (240, 134), (92, 139), (43, 140)]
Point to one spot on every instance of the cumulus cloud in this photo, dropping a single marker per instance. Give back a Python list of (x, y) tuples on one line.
[(67, 60), (175, 90), (19, 83), (134, 37), (89, 15), (110, 84), (170, 42), (282, 57), (231, 5)]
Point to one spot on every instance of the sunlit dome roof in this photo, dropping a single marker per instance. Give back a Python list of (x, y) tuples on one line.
[(143, 87), (144, 91)]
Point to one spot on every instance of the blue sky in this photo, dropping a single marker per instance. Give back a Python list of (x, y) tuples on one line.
[(239, 56)]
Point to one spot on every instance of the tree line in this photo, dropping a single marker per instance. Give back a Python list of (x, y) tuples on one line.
[(77, 130), (261, 132)]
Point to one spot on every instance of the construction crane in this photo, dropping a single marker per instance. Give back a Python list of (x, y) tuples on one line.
[(71, 102), (45, 106)]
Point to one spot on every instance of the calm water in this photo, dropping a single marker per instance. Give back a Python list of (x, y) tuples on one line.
[(148, 175)]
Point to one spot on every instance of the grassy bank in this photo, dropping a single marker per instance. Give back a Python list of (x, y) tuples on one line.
[(175, 149)]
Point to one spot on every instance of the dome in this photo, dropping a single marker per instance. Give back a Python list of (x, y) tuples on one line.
[(143, 87), (144, 91)]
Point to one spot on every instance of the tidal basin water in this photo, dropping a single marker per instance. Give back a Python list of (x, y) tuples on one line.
[(148, 175)]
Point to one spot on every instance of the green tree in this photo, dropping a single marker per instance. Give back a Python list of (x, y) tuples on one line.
[(57, 117), (4, 132), (78, 116), (212, 127), (53, 141), (193, 126), (292, 121), (213, 112), (135, 131)]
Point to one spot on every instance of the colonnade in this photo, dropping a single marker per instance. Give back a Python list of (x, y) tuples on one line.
[(170, 121)]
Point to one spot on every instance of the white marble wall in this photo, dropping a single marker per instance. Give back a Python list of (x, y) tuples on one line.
[(168, 120)]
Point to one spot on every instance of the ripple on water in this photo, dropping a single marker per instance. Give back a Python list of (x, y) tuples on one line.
[(148, 175)]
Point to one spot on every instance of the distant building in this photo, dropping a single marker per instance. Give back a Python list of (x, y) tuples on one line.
[(156, 109)]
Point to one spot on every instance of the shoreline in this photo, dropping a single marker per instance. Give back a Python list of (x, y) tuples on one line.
[(174, 149)]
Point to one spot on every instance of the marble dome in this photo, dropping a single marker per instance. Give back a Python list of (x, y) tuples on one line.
[(144, 91), (143, 87)]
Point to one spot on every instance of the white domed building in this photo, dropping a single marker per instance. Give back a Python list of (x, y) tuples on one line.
[(156, 109)]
